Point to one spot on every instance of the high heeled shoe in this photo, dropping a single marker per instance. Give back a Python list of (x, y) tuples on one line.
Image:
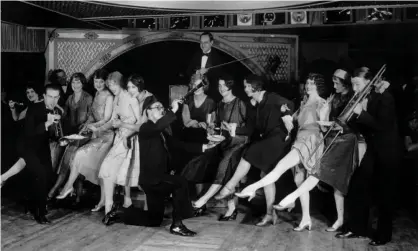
[(301, 227), (268, 219), (199, 211), (289, 207), (98, 208), (233, 216), (65, 194), (336, 227)]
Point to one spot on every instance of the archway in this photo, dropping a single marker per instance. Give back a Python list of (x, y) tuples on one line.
[(164, 63)]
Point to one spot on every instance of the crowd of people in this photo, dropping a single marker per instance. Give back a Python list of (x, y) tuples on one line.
[(123, 136)]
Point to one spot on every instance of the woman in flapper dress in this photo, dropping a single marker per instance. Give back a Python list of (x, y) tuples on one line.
[(272, 125), (214, 166), (121, 165), (88, 158), (308, 140), (76, 112)]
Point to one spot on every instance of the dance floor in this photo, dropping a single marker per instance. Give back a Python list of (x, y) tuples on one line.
[(83, 230)]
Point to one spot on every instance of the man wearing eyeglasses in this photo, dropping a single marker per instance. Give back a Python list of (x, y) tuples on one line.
[(156, 181), (203, 60)]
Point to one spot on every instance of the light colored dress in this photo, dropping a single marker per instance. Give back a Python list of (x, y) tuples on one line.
[(309, 136), (88, 158), (121, 165)]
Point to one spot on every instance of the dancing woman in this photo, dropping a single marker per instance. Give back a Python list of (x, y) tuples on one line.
[(308, 138), (272, 124), (76, 111), (121, 165), (213, 166), (88, 158)]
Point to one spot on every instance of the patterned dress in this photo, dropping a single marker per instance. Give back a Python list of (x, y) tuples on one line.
[(309, 137), (88, 158), (121, 165)]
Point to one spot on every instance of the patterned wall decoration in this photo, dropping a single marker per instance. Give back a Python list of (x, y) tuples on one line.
[(74, 56), (274, 56)]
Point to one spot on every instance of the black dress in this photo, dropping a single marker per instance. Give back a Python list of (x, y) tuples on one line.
[(338, 163), (266, 151), (218, 164)]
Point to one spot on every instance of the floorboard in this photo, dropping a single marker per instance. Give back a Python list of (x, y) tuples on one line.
[(83, 230)]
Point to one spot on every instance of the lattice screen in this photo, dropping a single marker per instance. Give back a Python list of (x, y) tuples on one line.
[(268, 54), (74, 56)]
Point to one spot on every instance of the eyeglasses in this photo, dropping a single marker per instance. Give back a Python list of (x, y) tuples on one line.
[(157, 107)]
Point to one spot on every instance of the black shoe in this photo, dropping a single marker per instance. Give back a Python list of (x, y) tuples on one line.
[(200, 211), (377, 243), (348, 235), (181, 230), (112, 216), (40, 217), (233, 216)]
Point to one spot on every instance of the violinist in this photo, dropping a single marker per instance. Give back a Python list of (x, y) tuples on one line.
[(203, 60), (376, 119)]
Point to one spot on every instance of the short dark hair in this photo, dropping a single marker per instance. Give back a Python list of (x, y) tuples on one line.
[(256, 82), (53, 77), (207, 33), (54, 87), (229, 80), (346, 80), (138, 81), (319, 81), (35, 88), (80, 76), (363, 72), (101, 74)]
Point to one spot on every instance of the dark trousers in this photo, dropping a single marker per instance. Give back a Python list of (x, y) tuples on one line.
[(39, 176), (375, 170), (156, 194)]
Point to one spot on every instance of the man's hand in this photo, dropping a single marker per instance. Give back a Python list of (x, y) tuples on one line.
[(203, 125), (358, 109), (202, 71)]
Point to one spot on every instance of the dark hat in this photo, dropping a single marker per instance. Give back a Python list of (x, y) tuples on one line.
[(148, 102)]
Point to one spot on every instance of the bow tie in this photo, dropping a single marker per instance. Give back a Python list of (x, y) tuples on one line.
[(205, 54)]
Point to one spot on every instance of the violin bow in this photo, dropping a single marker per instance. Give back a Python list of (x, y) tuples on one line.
[(233, 61)]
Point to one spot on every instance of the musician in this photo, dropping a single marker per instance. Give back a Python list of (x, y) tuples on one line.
[(155, 143), (272, 125), (205, 59), (35, 149), (376, 120), (59, 77)]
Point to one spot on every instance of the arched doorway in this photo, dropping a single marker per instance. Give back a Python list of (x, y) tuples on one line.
[(165, 63)]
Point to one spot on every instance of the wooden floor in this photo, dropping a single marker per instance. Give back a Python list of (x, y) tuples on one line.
[(83, 230)]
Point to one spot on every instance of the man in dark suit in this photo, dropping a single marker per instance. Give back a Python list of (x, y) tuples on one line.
[(205, 59), (377, 122), (35, 150), (155, 179)]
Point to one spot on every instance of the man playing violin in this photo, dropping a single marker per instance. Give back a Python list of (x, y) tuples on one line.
[(203, 60)]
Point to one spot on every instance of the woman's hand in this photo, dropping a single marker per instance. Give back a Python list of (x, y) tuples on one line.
[(12, 104), (249, 192), (92, 128), (230, 127), (203, 125)]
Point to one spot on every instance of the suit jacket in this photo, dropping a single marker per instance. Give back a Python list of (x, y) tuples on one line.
[(379, 125), (213, 74), (154, 154), (36, 136)]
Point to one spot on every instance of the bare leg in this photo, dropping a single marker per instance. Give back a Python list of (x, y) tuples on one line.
[(242, 170), (339, 203), (70, 182), (127, 201), (109, 188), (303, 188), (304, 201), (213, 189), (270, 194), (61, 179), (231, 207), (15, 169), (289, 161), (102, 197)]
